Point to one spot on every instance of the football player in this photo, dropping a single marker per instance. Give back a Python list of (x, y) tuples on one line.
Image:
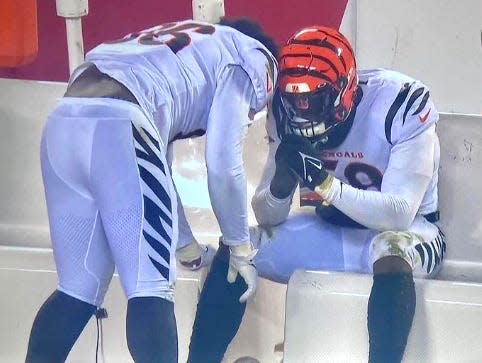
[(105, 154), (362, 146)]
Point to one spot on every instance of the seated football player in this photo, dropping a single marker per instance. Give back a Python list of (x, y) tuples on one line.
[(363, 148)]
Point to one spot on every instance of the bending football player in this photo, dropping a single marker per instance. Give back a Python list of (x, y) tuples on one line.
[(106, 169)]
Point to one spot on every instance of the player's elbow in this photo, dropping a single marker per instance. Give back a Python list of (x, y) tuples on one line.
[(402, 223), (269, 212), (266, 217), (402, 218)]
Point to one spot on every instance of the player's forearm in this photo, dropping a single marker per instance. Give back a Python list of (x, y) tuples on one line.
[(229, 201), (373, 209), (185, 236)]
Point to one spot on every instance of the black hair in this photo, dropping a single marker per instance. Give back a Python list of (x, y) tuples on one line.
[(252, 29)]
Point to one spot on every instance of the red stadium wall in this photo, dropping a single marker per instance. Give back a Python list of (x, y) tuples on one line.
[(110, 19)]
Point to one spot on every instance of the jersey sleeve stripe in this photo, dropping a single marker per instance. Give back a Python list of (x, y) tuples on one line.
[(399, 100), (422, 104), (418, 92)]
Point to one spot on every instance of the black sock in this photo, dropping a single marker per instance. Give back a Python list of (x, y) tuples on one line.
[(390, 314), (151, 330), (219, 312), (56, 328)]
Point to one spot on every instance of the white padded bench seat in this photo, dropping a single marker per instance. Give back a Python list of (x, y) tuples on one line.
[(326, 320)]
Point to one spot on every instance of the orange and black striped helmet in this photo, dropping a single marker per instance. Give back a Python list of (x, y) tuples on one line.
[(317, 80)]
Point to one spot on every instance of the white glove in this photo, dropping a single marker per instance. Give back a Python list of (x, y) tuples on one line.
[(195, 255), (241, 261)]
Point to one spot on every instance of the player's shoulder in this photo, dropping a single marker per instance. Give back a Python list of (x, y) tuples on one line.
[(262, 69), (401, 102), (252, 50), (385, 80)]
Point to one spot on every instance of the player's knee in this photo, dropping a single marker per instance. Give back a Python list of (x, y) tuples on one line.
[(391, 251), (88, 292)]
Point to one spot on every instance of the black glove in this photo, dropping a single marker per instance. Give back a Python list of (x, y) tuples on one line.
[(298, 154)]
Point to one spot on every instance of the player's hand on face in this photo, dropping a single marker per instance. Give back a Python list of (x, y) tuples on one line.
[(303, 159), (241, 261)]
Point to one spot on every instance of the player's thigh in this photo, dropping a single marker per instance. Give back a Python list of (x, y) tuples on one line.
[(82, 256), (303, 241), (138, 204), (422, 247)]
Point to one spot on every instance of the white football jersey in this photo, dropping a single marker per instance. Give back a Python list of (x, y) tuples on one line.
[(192, 78), (172, 70)]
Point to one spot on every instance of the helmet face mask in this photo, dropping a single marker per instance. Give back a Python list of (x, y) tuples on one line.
[(310, 114), (317, 81)]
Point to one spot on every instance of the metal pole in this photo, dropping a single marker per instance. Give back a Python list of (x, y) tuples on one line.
[(72, 11), (75, 44), (208, 10)]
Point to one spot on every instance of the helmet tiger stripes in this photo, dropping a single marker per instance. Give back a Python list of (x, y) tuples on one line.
[(317, 80)]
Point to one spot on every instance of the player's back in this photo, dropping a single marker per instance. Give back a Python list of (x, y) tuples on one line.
[(172, 69)]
